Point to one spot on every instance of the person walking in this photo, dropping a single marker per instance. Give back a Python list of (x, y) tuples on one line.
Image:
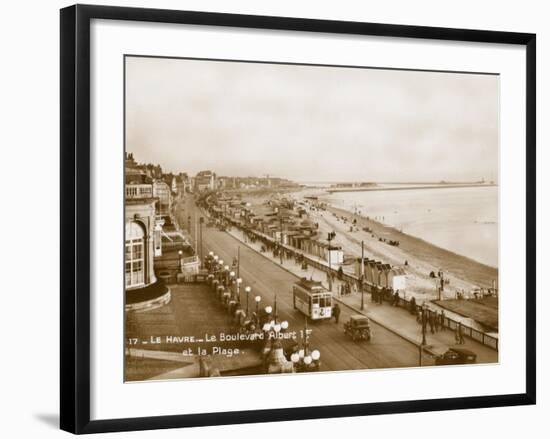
[(431, 320), (412, 305), (396, 298), (442, 319), (460, 334), (336, 312)]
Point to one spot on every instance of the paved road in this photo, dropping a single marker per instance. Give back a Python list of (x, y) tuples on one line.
[(338, 351)]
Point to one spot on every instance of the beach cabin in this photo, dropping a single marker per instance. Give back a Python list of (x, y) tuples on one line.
[(358, 267), (335, 254), (377, 273), (370, 270), (384, 269), (397, 279)]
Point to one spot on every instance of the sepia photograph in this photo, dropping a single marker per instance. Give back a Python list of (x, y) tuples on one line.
[(298, 218)]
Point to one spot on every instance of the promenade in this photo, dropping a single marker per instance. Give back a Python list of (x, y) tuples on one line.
[(395, 319)]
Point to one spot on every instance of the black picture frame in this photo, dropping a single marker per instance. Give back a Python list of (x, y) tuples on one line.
[(75, 217)]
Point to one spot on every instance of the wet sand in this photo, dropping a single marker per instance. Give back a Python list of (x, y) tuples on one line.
[(416, 249)]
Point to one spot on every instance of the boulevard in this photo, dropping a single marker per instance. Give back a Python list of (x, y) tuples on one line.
[(267, 280)]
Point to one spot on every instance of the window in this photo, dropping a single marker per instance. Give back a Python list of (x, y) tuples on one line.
[(134, 255)]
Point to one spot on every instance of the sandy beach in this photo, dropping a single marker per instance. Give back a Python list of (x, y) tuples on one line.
[(422, 257)]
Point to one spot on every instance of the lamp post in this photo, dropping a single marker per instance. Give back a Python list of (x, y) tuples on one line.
[(231, 283), (330, 237), (275, 313), (362, 275), (247, 290), (281, 232), (180, 253), (257, 299), (424, 324), (239, 281), (201, 222)]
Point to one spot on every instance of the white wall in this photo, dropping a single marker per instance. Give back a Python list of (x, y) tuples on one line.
[(29, 317)]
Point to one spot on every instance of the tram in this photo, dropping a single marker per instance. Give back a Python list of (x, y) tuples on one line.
[(312, 299)]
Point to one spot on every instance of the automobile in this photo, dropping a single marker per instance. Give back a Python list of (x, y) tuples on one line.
[(358, 327), (456, 356)]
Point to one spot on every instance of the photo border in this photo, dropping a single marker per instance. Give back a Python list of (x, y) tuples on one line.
[(75, 217)]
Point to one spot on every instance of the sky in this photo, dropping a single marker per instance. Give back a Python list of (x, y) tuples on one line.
[(311, 123)]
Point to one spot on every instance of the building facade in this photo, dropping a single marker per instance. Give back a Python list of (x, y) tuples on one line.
[(205, 181), (163, 192), (139, 233)]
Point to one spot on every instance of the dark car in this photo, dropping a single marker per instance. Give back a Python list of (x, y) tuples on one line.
[(456, 356), (358, 327)]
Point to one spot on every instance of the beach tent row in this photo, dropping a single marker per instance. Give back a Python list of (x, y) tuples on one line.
[(382, 275), (302, 235)]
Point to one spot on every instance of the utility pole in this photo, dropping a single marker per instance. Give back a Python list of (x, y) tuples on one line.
[(201, 221), (424, 325), (362, 275), (238, 261), (195, 233), (281, 232), (330, 237)]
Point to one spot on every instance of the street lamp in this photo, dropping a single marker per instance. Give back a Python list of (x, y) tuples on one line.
[(201, 222), (231, 283), (180, 253), (239, 282), (257, 299), (247, 290), (424, 324), (362, 275), (330, 237), (226, 275), (281, 232)]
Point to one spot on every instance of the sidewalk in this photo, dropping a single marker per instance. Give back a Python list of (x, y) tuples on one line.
[(397, 320)]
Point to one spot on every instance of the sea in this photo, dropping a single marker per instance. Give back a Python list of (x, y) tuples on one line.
[(463, 220)]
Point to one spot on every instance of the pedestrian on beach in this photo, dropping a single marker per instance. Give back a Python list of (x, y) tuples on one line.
[(336, 312)]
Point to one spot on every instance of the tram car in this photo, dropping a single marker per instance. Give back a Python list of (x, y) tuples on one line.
[(312, 299)]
